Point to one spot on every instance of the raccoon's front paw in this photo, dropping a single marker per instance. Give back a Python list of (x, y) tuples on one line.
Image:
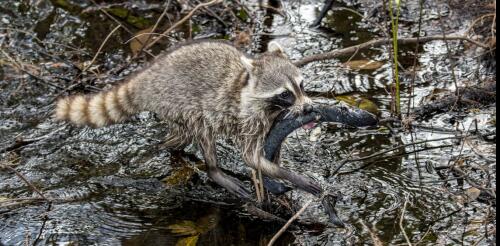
[(303, 182), (231, 184), (309, 185)]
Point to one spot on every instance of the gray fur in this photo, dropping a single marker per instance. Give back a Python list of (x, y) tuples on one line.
[(210, 89)]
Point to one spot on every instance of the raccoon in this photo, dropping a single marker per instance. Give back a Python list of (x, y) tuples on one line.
[(205, 90)]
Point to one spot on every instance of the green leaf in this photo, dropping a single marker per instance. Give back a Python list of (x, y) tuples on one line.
[(184, 228), (361, 103), (188, 241)]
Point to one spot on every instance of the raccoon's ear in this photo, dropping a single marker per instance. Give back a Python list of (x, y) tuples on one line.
[(247, 63), (273, 46)]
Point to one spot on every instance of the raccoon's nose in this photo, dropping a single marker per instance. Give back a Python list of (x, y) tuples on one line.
[(308, 108)]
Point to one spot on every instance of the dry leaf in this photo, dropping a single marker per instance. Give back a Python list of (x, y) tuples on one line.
[(363, 64), (472, 194), (141, 38)]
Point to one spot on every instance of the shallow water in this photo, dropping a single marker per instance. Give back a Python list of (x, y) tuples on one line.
[(118, 186)]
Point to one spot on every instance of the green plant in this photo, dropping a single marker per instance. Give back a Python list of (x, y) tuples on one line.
[(395, 29)]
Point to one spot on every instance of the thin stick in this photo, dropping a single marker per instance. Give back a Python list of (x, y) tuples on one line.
[(101, 47), (378, 42), (18, 174), (261, 184), (290, 221), (448, 52), (119, 23), (155, 26), (257, 186), (480, 18), (404, 146), (184, 19), (375, 239), (401, 223), (415, 59), (380, 159), (21, 68)]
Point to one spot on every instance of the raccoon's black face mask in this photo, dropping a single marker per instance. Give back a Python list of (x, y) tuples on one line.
[(277, 81)]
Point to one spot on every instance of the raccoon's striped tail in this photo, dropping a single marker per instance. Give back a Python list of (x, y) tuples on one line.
[(97, 110)]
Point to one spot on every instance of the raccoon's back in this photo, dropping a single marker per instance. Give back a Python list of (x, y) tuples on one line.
[(196, 81)]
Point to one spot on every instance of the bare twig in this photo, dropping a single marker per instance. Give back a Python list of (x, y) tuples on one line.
[(407, 153), (378, 42), (257, 186), (290, 221), (18, 174), (154, 27), (21, 68), (448, 52), (401, 220), (101, 47), (489, 191), (375, 239), (119, 23), (184, 19), (479, 19), (404, 146)]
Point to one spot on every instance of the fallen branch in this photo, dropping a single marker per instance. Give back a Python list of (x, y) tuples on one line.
[(378, 42)]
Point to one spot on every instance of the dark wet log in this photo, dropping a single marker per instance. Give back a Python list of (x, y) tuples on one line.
[(287, 124), (468, 97)]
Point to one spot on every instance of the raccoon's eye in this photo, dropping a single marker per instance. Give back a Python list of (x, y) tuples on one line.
[(285, 94)]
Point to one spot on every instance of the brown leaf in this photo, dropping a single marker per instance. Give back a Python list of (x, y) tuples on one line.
[(363, 64), (141, 39), (472, 194)]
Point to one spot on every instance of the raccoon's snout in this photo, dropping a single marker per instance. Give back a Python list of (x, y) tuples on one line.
[(308, 108)]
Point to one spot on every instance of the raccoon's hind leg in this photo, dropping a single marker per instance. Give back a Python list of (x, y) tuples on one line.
[(233, 185)]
